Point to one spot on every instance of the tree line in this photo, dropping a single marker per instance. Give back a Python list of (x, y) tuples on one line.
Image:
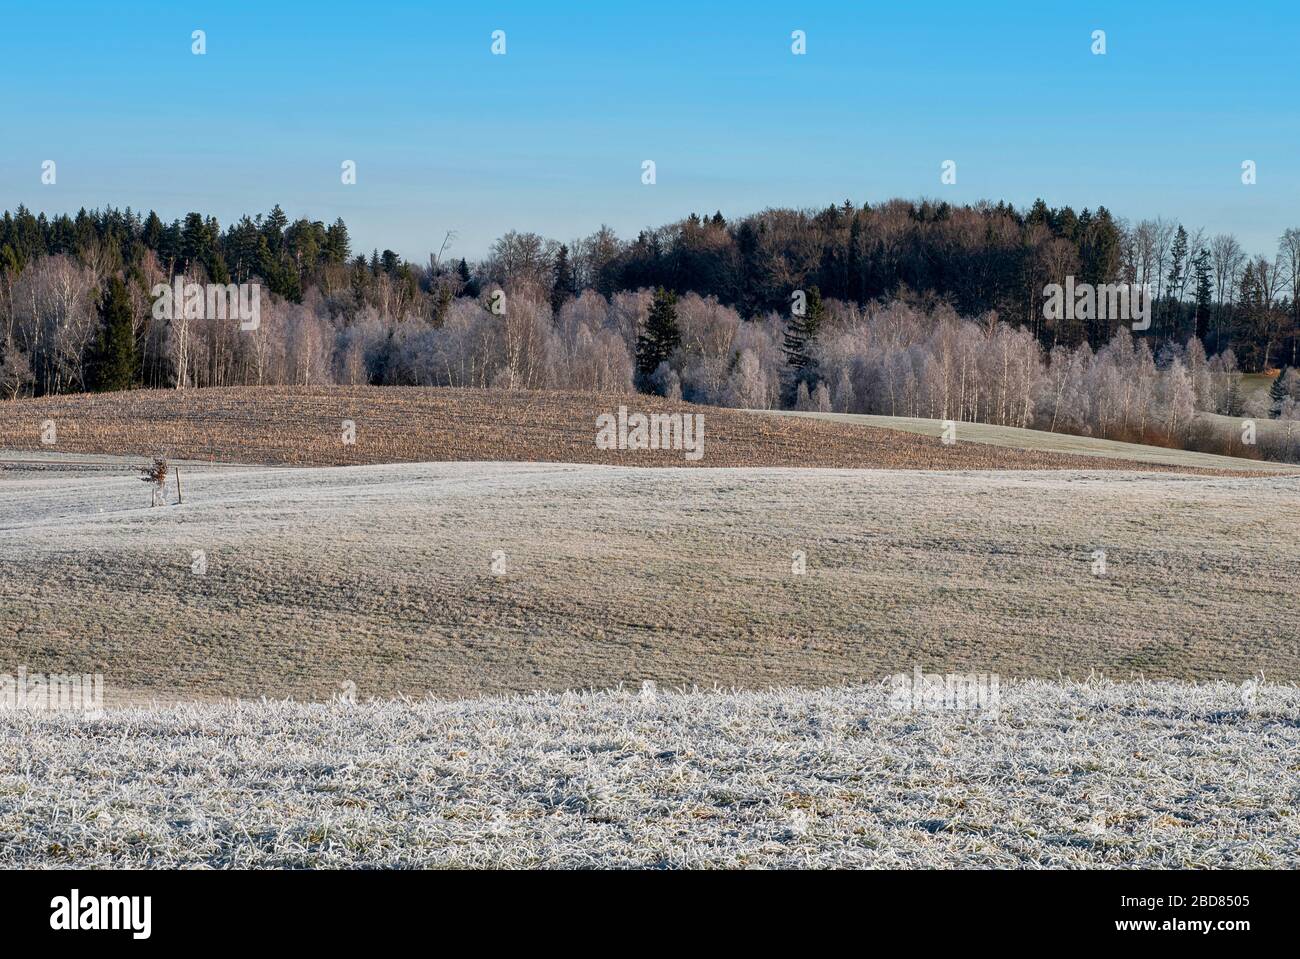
[(702, 307)]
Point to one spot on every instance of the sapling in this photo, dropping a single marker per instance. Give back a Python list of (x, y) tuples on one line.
[(156, 473)]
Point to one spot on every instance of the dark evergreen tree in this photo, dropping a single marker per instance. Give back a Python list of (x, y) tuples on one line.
[(196, 244), (217, 270), (1276, 394), (562, 288), (1202, 269), (1099, 249), (661, 336), (1249, 308), (800, 334), (337, 245), (1177, 257), (280, 276), (153, 230), (360, 278), (467, 285), (747, 250), (1065, 223), (243, 243), (273, 229), (169, 250), (113, 364)]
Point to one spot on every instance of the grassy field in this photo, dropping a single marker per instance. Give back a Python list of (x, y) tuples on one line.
[(305, 426), (1283, 434), (466, 579), (1062, 776), (497, 586), (1253, 383), (1042, 441)]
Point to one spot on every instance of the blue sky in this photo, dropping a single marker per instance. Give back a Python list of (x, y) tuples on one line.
[(551, 136)]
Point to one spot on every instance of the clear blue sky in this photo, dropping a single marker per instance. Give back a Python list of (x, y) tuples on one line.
[(551, 136)]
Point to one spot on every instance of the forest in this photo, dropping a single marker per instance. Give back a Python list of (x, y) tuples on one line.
[(915, 308)]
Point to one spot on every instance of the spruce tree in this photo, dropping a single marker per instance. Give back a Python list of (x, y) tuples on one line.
[(800, 334), (273, 228), (338, 246), (113, 365), (467, 285), (1202, 269), (153, 231), (562, 289), (661, 336), (1099, 248), (360, 279), (1276, 394), (1176, 278)]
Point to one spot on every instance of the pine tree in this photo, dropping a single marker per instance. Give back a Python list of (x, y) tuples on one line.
[(1201, 267), (169, 247), (562, 289), (1247, 315), (280, 277), (113, 364), (1099, 249), (800, 334), (273, 228), (338, 246), (1177, 254), (1276, 394), (661, 336), (467, 285), (360, 278), (217, 271), (153, 231)]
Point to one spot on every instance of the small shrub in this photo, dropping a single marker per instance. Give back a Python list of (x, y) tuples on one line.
[(155, 473)]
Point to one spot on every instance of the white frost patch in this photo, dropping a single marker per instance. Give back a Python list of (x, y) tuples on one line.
[(1097, 774)]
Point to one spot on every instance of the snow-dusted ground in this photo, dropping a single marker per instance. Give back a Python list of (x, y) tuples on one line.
[(468, 579), (380, 579), (1109, 775)]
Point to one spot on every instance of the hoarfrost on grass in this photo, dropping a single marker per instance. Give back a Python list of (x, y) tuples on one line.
[(1102, 774)]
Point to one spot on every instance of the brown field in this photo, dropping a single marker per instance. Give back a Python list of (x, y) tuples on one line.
[(303, 427), (975, 557), (384, 576)]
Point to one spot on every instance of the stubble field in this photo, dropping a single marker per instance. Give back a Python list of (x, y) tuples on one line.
[(467, 579), (305, 426)]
